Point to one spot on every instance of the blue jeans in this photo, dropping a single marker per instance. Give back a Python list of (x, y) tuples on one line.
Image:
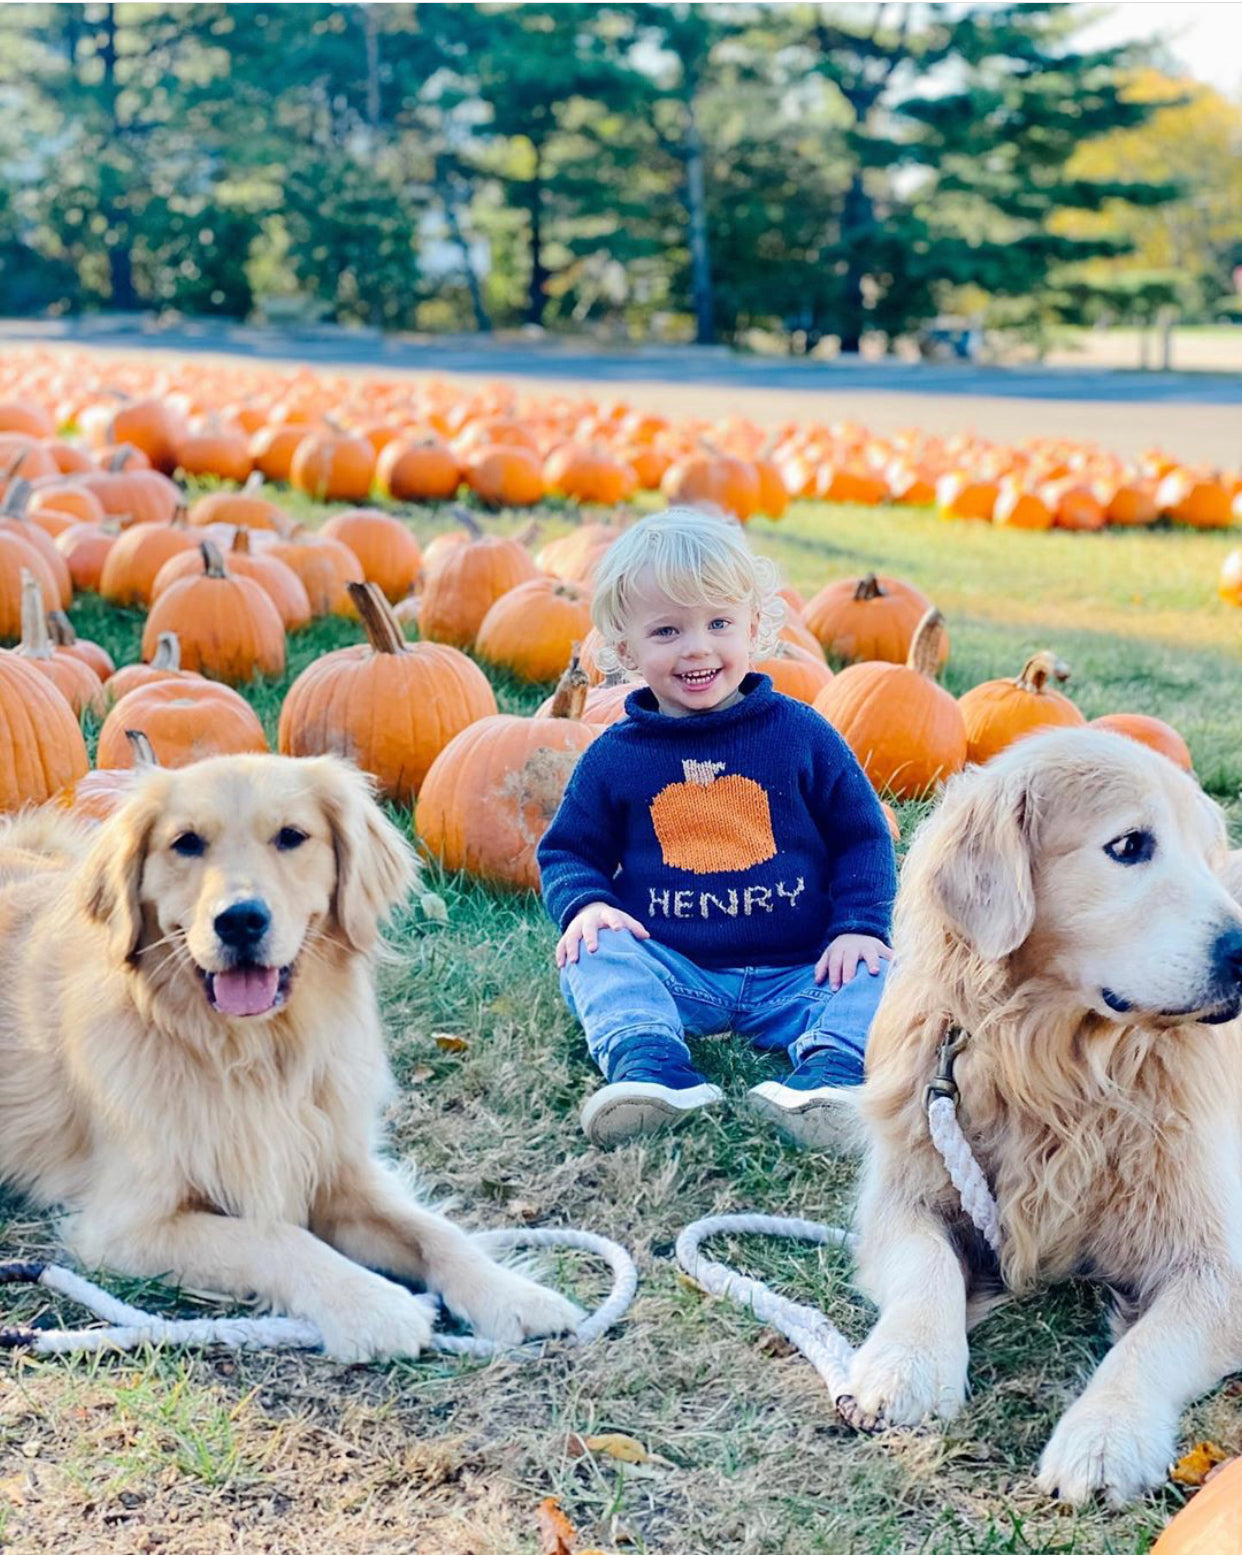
[(631, 987)]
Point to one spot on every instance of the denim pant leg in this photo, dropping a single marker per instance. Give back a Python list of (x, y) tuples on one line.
[(787, 1009), (630, 987)]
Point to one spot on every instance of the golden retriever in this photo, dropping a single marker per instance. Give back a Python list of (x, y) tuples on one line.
[(1072, 907), (191, 1060)]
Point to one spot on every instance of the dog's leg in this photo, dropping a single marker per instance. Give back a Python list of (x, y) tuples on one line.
[(913, 1364), (360, 1315), (369, 1216), (1119, 1436)]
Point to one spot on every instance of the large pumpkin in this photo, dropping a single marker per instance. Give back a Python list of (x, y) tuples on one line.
[(588, 474), (277, 580), (508, 477), (998, 712), (86, 548), (95, 655), (184, 719), (716, 480), (907, 731), (1212, 1522), (135, 496), (14, 522), (148, 425), (796, 672), (332, 467), (418, 470), (386, 550), (228, 627), (532, 629), (133, 563), (575, 556), (1152, 732), (388, 705), (41, 745), (492, 791), (245, 508), (165, 665), (465, 584), (872, 617), (325, 566), (17, 557)]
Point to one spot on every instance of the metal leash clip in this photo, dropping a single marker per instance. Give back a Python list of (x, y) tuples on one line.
[(942, 1082)]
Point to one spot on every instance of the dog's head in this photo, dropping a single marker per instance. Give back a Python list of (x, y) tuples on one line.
[(1083, 858), (231, 870)]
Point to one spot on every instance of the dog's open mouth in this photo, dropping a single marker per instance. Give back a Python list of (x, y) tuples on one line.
[(247, 990)]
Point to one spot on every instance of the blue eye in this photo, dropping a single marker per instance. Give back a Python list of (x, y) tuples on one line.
[(189, 845), (1132, 847), (663, 631), (721, 621)]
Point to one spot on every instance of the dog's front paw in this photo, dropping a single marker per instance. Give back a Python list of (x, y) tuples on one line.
[(380, 1322), (504, 1306), (895, 1383), (1107, 1446)]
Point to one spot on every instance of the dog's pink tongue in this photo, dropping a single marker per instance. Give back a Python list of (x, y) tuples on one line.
[(247, 990)]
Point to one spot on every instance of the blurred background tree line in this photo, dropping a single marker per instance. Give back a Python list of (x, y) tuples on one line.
[(715, 172)]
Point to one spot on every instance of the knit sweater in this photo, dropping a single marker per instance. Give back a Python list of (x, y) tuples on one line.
[(749, 836)]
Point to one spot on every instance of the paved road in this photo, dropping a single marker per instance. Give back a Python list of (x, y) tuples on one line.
[(1196, 415)]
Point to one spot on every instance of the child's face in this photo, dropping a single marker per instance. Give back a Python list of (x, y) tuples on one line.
[(693, 657)]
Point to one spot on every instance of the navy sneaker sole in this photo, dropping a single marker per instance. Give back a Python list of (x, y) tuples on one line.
[(628, 1109), (826, 1118)]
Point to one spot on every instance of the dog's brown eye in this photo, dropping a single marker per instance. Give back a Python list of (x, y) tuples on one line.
[(189, 845), (289, 837), (1132, 847)]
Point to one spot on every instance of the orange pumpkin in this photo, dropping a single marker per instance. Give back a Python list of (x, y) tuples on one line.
[(185, 720), (165, 665), (41, 745), (15, 557), (278, 581), (1149, 731), (1133, 505), (492, 791), (713, 820), (26, 417), (1197, 500), (85, 548), (325, 567), (246, 509), (773, 493), (95, 796), (998, 712), (272, 450), (137, 496), (76, 681), (1230, 586), (873, 617), (94, 655), (228, 627), (386, 550), (717, 480), (795, 672), (588, 474), (1210, 1524), (959, 496), (389, 705), (332, 467), (466, 583), (149, 425), (1018, 508), (604, 704), (418, 470), (133, 563), (506, 477), (531, 630), (76, 503), (13, 521), (575, 556), (907, 731), (217, 452)]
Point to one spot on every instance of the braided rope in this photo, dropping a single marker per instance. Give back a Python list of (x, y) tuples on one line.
[(807, 1328), (129, 1327)]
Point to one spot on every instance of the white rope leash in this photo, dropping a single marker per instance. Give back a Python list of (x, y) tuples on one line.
[(807, 1328), (129, 1327)]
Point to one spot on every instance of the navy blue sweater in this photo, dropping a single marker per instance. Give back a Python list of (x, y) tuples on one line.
[(744, 837)]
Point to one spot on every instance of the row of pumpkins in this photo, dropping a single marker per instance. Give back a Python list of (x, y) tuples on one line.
[(422, 717), (339, 440)]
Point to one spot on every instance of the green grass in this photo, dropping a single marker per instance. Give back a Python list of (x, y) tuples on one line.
[(286, 1452)]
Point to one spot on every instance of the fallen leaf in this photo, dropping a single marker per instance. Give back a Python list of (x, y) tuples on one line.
[(448, 1043), (686, 1283), (612, 1444), (1193, 1467), (13, 1490), (776, 1345), (433, 907), (556, 1532)]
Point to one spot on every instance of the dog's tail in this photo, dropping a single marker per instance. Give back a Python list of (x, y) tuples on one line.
[(34, 841)]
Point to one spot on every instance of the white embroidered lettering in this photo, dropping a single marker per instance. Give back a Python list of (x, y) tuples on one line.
[(730, 908), (790, 896), (756, 896), (682, 904), (659, 899)]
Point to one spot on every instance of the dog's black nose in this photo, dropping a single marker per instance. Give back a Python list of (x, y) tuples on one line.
[(244, 924), (1227, 958)]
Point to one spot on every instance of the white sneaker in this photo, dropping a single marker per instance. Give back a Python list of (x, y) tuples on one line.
[(628, 1108), (826, 1118)]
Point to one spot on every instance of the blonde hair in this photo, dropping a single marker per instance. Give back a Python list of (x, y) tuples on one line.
[(693, 558)]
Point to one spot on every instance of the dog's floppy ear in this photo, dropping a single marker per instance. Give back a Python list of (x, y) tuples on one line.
[(375, 866), (110, 881), (981, 871)]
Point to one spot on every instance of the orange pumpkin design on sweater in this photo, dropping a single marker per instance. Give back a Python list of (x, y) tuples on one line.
[(711, 824)]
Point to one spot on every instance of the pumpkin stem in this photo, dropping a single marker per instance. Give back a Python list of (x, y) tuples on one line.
[(60, 629), (528, 533), (180, 517), (35, 643), (241, 541), (15, 464), (117, 461), (702, 773), (213, 562), (617, 677), (1039, 669), (569, 698), (924, 654), (140, 747), (468, 521), (17, 496), (167, 654), (382, 627), (252, 483), (869, 588)]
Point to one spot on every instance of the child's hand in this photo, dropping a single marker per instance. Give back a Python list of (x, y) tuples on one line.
[(840, 961), (585, 926)]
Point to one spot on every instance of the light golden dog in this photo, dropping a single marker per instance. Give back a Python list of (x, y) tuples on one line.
[(1072, 907), (191, 1060)]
